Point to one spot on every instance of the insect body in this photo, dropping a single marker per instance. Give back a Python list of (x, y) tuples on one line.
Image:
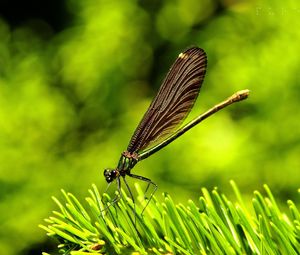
[(161, 122)]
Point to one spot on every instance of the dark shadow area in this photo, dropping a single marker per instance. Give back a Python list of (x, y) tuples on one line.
[(53, 12)]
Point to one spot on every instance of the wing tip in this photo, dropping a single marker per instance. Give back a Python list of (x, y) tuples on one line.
[(194, 49), (194, 52)]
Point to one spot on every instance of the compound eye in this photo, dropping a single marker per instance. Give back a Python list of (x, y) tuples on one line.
[(106, 172)]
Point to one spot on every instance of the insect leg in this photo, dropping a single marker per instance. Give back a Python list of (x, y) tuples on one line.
[(132, 198), (142, 178), (117, 196)]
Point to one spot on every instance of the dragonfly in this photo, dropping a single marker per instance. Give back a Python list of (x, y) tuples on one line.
[(161, 124)]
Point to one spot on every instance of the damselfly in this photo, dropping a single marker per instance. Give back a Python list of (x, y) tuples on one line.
[(161, 123)]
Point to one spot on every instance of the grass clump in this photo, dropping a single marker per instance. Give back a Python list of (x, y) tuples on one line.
[(211, 225)]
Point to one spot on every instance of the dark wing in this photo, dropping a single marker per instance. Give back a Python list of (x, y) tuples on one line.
[(173, 101)]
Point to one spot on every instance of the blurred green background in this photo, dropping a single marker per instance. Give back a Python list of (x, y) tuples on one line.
[(77, 76)]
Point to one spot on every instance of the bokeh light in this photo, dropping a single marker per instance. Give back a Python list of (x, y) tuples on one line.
[(72, 95)]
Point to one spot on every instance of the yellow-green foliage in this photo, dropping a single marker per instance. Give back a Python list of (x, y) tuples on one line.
[(70, 101), (213, 225)]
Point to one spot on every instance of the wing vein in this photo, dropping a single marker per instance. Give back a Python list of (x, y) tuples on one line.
[(173, 102)]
